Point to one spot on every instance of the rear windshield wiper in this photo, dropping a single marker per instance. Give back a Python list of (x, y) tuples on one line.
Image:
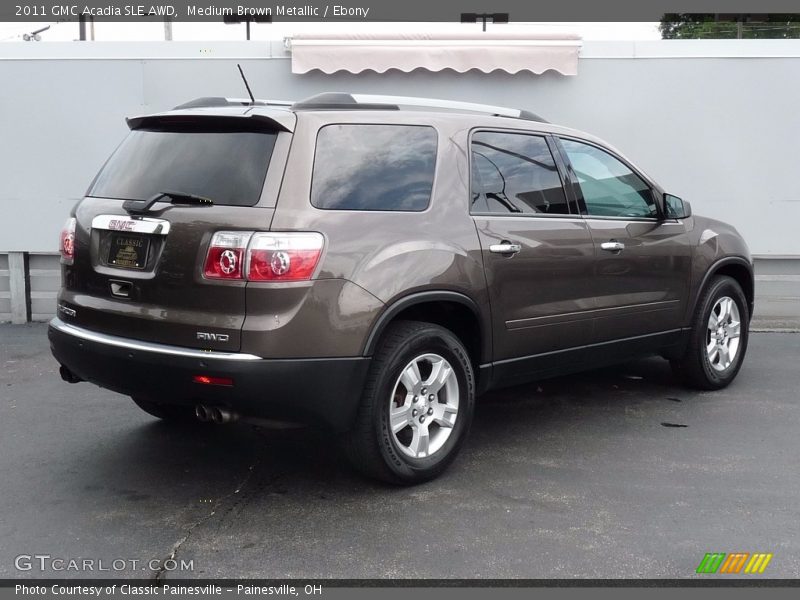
[(143, 206)]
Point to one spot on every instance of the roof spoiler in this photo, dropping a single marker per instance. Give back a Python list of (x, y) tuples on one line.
[(242, 122)]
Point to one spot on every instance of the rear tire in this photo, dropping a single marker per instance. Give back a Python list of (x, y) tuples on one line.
[(167, 412), (417, 405), (718, 339)]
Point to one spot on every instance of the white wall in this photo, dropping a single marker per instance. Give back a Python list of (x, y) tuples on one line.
[(715, 122)]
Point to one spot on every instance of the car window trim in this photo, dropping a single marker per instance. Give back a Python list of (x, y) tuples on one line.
[(533, 133), (563, 173), (578, 192)]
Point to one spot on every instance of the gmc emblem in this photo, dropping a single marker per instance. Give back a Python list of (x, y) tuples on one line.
[(212, 337), (120, 225)]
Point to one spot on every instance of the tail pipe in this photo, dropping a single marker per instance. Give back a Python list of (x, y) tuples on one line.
[(201, 412), (68, 375), (215, 414)]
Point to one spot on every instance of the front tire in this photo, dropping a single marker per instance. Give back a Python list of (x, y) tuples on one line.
[(718, 339), (416, 407)]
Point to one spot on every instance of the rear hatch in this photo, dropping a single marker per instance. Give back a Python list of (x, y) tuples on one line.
[(144, 228)]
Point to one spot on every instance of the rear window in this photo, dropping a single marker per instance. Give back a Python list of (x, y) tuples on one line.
[(374, 167), (225, 166)]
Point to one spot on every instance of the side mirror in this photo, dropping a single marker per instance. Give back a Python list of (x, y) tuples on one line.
[(675, 208)]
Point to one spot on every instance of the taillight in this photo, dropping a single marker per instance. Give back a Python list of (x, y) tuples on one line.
[(286, 256), (225, 257), (67, 243), (257, 256)]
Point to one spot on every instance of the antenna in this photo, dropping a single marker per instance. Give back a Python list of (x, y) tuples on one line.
[(247, 85)]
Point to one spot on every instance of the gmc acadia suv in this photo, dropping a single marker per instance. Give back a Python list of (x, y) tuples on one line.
[(372, 264)]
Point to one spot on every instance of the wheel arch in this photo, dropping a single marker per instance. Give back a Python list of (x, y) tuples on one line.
[(453, 310), (739, 269)]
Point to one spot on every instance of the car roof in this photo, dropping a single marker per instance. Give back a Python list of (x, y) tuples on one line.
[(350, 107)]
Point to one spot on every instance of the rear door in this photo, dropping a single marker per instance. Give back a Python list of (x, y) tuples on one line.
[(643, 261), (140, 273), (537, 253)]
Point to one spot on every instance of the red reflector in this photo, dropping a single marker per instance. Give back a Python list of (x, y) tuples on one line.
[(211, 380)]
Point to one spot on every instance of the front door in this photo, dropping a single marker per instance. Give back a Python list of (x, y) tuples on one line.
[(643, 261)]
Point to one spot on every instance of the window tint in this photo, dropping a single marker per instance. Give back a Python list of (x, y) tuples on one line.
[(610, 189), (374, 167), (228, 167), (515, 174)]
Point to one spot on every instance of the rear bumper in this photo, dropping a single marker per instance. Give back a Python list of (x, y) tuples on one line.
[(324, 391)]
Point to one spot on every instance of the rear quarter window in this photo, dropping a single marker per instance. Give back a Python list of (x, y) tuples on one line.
[(374, 167)]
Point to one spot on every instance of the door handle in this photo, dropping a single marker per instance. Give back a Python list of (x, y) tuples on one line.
[(613, 246), (505, 247)]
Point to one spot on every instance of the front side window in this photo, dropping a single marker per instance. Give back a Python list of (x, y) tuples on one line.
[(374, 167), (515, 173), (608, 186)]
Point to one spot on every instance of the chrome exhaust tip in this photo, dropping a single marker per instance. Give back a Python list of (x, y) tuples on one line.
[(202, 412), (223, 416)]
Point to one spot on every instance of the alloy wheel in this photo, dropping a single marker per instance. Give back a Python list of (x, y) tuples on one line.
[(424, 405), (722, 337)]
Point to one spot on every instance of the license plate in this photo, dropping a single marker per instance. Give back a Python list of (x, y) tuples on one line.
[(128, 251)]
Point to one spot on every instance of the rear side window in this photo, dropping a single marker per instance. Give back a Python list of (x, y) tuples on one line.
[(374, 167), (225, 166), (515, 173)]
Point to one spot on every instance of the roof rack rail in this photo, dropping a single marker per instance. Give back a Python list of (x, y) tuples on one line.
[(216, 101), (344, 101)]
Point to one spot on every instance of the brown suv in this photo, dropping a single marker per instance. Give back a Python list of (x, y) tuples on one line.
[(372, 264)]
